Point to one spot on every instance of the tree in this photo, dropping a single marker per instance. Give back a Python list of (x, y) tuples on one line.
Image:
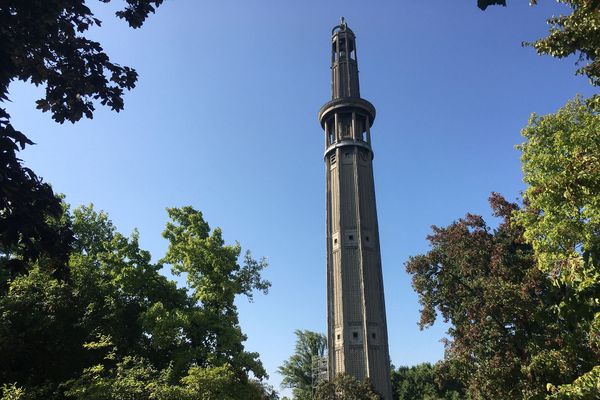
[(42, 42), (345, 387), (424, 381), (506, 340), (572, 34), (119, 329), (216, 278), (561, 166), (297, 370)]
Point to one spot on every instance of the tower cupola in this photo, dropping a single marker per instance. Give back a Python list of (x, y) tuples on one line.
[(344, 66)]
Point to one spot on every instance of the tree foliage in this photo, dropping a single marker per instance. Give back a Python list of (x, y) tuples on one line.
[(297, 370), (561, 165), (118, 329), (577, 33), (43, 42), (425, 382), (506, 339)]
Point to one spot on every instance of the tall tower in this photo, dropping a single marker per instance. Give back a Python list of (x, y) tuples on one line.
[(356, 322)]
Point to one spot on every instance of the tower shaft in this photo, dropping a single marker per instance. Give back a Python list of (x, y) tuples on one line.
[(356, 319)]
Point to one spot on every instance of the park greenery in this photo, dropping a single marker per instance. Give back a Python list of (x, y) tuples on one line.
[(117, 328), (86, 314), (522, 299), (297, 371)]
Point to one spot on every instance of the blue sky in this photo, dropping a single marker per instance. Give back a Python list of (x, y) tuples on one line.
[(224, 119)]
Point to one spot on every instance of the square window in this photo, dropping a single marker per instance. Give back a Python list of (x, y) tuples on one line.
[(373, 335), (351, 237), (355, 335)]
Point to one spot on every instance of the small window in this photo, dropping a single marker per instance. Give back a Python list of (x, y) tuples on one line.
[(355, 335), (332, 158), (373, 335), (351, 237), (367, 238), (339, 337), (334, 241), (347, 155)]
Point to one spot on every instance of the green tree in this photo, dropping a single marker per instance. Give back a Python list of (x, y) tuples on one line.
[(216, 278), (561, 166), (576, 33), (119, 329), (345, 387), (505, 340), (297, 370), (43, 42), (423, 382)]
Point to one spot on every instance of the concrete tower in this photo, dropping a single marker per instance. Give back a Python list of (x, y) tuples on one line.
[(356, 322)]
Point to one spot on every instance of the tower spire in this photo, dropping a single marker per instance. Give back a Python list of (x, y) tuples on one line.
[(344, 66), (356, 320)]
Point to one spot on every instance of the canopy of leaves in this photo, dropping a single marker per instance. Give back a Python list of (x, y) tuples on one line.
[(118, 329), (561, 165), (577, 34), (43, 42), (423, 381), (506, 341), (297, 370)]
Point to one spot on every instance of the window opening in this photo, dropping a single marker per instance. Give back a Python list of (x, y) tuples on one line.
[(355, 335), (334, 51), (362, 127), (342, 49)]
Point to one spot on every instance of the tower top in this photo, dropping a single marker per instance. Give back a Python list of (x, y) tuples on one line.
[(343, 26), (345, 88)]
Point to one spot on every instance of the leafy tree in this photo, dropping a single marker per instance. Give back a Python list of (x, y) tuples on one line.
[(119, 329), (297, 370), (506, 340), (572, 34), (561, 165), (42, 42), (214, 275), (423, 382), (345, 387)]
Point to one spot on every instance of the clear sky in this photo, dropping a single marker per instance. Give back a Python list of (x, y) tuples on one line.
[(224, 118)]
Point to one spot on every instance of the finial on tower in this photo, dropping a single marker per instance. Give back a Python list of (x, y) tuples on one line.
[(343, 23)]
